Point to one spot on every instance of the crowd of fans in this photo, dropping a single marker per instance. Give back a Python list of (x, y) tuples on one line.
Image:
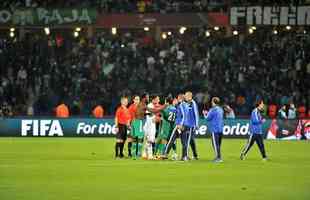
[(39, 71), (143, 6), (123, 6)]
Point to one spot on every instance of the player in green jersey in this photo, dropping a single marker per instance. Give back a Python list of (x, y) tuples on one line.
[(167, 125)]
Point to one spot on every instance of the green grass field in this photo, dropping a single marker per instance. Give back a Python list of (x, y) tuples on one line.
[(84, 168)]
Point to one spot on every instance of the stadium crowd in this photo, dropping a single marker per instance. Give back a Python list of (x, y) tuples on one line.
[(37, 72), (146, 6), (122, 6)]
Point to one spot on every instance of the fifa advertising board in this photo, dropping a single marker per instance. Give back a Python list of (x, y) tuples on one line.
[(91, 127)]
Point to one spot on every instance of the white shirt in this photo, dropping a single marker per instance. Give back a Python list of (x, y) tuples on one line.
[(162, 54), (298, 65), (180, 55), (150, 116), (22, 74), (150, 60), (292, 113)]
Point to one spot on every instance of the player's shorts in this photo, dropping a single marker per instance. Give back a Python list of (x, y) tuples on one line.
[(137, 129), (150, 130), (122, 132), (165, 132)]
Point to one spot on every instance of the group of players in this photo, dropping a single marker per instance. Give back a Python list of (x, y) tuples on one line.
[(151, 129)]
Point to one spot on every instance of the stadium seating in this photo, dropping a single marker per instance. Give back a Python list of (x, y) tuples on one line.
[(41, 70)]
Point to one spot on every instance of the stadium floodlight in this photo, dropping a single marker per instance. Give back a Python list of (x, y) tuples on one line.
[(235, 32), (114, 30), (76, 34), (182, 29), (47, 30), (12, 34), (251, 31), (169, 33), (164, 36), (78, 29), (207, 34), (146, 28), (253, 28), (216, 28), (12, 29), (275, 32)]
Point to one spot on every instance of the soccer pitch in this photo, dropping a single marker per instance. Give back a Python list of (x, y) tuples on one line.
[(84, 168)]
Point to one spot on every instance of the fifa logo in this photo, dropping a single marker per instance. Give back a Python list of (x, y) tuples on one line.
[(41, 128)]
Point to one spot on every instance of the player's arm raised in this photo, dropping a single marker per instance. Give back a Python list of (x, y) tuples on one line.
[(208, 115), (156, 110)]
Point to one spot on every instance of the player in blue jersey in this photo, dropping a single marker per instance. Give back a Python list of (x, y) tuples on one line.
[(215, 124), (188, 125), (256, 132)]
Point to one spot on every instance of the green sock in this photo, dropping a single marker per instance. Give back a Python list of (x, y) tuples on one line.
[(139, 149), (157, 146), (160, 148), (134, 149), (163, 150)]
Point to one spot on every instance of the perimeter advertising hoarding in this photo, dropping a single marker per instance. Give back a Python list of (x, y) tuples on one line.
[(91, 127), (270, 15), (42, 16)]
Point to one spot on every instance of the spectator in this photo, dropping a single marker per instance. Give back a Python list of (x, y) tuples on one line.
[(141, 6), (22, 76), (302, 111), (62, 110), (98, 111), (272, 111), (60, 66), (282, 113), (291, 111), (229, 112)]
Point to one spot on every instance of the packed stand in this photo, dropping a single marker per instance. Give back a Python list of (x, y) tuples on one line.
[(124, 6), (40, 71)]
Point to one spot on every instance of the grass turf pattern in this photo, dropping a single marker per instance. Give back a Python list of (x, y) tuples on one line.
[(84, 168)]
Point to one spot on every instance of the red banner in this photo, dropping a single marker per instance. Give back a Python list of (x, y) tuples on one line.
[(164, 20), (218, 19)]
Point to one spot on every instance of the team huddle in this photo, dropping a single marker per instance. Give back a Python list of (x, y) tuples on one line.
[(151, 129)]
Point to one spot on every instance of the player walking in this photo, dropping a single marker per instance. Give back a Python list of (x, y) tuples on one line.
[(256, 132)]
